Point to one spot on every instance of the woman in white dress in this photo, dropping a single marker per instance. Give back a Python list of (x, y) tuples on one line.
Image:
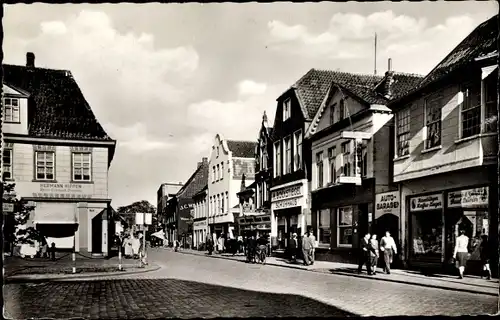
[(461, 252), (127, 244)]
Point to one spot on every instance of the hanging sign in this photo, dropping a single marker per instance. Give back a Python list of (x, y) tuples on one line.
[(285, 193), (429, 202), (387, 203), (477, 197)]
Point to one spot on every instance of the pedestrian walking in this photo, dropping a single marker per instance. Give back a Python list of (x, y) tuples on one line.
[(294, 245), (374, 253), (314, 244), (485, 256), (307, 247), (127, 244), (461, 252), (364, 254), (388, 248)]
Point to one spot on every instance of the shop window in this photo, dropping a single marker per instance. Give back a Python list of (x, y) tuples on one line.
[(403, 132), (11, 110), (332, 156), (44, 165), (319, 169), (7, 163), (475, 223), (297, 150), (427, 229), (471, 110), (82, 166), (433, 121), (344, 226), (324, 226), (491, 107)]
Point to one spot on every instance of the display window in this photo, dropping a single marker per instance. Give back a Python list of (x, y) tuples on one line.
[(427, 231), (474, 222), (344, 226), (324, 226)]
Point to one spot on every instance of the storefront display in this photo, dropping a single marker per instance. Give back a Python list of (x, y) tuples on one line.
[(427, 226), (324, 227), (344, 226)]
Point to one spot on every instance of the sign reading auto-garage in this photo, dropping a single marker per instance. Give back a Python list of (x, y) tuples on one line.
[(388, 202)]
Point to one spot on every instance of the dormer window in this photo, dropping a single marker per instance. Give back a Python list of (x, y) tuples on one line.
[(286, 109), (342, 110), (11, 110)]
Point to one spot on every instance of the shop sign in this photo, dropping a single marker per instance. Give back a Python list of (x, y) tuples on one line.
[(388, 202), (285, 193), (186, 206), (7, 207), (470, 197), (64, 190), (286, 204), (429, 202), (200, 223)]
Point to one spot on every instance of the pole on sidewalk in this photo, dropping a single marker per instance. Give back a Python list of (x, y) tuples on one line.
[(74, 254), (144, 244), (120, 254), (140, 252)]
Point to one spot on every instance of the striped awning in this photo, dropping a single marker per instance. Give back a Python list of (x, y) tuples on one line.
[(55, 213)]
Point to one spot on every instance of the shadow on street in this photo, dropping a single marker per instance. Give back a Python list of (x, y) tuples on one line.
[(154, 298)]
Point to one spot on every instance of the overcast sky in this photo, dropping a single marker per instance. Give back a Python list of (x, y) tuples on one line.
[(163, 79)]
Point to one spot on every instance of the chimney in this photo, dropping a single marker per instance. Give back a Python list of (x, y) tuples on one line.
[(264, 120), (30, 60), (243, 187), (389, 79)]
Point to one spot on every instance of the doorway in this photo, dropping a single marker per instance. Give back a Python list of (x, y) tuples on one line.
[(97, 234)]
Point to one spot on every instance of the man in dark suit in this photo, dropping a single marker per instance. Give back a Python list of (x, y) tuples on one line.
[(364, 254), (294, 244)]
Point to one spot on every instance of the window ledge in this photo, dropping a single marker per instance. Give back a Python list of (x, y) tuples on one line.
[(476, 136), (82, 182), (47, 181), (401, 158), (432, 149)]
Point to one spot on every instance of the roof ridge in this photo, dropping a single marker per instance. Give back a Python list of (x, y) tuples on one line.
[(302, 78), (35, 68), (349, 73), (416, 75)]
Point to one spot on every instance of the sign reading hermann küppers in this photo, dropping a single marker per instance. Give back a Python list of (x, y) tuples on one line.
[(64, 190), (428, 202), (477, 197), (388, 202)]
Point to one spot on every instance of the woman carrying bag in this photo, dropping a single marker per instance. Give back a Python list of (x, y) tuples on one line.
[(461, 252)]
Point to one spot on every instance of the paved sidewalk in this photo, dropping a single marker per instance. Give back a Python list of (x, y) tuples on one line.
[(470, 284), (25, 269)]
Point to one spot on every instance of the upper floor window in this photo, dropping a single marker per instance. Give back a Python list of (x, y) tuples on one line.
[(7, 163), (471, 110), (297, 137), (403, 132), (44, 165), (332, 113), (332, 155), (433, 121), (218, 172), (11, 110), (342, 110), (288, 155), (217, 151), (222, 204), (491, 107), (319, 166), (287, 106), (222, 170), (277, 159), (361, 158), (346, 158), (82, 165), (265, 158), (213, 174)]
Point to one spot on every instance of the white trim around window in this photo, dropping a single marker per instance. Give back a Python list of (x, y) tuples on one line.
[(403, 132), (277, 159), (432, 121), (45, 165), (345, 226), (81, 166), (7, 164), (287, 106), (11, 109), (297, 150)]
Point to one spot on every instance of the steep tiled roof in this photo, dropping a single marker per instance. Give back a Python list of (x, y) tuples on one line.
[(196, 183), (401, 85), (60, 109), (313, 86), (481, 41), (242, 149)]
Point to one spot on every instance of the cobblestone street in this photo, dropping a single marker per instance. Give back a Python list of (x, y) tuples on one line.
[(197, 286)]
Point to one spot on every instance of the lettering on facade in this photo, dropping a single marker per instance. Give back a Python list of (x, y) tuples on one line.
[(286, 203), (470, 197), (186, 206), (285, 193), (387, 203), (200, 223), (80, 149), (63, 191), (430, 202)]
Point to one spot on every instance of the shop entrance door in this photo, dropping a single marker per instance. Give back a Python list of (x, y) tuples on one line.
[(97, 234)]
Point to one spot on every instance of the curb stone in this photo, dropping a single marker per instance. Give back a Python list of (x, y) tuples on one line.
[(353, 275), (57, 277)]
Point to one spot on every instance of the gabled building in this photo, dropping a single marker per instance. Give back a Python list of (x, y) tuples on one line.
[(200, 225), (184, 204), (290, 190), (229, 161), (446, 144), (349, 146), (263, 167), (164, 193), (58, 155)]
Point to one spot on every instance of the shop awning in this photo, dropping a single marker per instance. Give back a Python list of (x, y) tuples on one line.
[(55, 213)]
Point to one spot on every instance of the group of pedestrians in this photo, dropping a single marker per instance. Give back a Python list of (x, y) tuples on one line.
[(308, 246), (370, 251), (461, 254)]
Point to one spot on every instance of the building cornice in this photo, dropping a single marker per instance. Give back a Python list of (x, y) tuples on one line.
[(10, 137)]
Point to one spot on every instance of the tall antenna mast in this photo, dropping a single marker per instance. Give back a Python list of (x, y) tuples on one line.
[(375, 53)]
